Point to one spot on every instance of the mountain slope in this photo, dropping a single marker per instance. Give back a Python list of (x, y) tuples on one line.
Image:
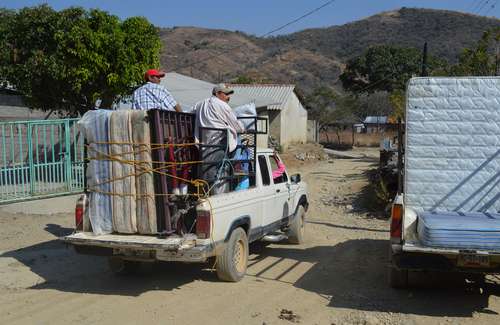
[(315, 57)]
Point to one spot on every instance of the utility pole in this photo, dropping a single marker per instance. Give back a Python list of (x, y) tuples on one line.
[(497, 60), (424, 62)]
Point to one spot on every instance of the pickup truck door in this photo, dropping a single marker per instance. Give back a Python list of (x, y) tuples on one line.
[(276, 205), (267, 191), (282, 197)]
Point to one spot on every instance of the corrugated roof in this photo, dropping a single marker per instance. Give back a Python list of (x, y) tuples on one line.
[(279, 94), (188, 91)]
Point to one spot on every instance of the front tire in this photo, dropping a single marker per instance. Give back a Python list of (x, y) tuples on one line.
[(296, 231), (231, 265)]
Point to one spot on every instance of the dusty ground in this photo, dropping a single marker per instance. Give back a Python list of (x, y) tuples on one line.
[(338, 277)]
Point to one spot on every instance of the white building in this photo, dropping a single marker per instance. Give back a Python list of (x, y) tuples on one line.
[(287, 116)]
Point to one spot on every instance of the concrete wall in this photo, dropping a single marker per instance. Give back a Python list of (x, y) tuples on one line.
[(293, 122), (16, 113), (275, 124)]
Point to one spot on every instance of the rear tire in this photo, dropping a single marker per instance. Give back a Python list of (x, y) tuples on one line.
[(231, 265), (296, 231)]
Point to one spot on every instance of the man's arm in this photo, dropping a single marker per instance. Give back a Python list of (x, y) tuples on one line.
[(178, 108)]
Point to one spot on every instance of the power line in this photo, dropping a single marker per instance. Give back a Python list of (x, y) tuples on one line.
[(491, 8), (482, 6), (264, 35), (474, 5), (299, 18)]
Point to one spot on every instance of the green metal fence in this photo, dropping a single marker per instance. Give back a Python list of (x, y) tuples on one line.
[(40, 159)]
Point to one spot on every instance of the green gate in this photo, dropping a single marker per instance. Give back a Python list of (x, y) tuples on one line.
[(40, 159)]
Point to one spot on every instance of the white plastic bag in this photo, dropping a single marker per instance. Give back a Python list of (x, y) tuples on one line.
[(247, 113)]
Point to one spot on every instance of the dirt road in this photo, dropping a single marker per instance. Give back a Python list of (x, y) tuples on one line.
[(337, 277)]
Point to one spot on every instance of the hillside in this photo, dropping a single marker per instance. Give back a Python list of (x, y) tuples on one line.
[(316, 57)]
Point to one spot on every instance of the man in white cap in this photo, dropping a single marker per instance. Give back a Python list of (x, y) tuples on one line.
[(152, 95), (215, 113)]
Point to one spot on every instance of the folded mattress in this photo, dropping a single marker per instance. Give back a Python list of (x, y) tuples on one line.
[(94, 126), (470, 230), (144, 185), (122, 173)]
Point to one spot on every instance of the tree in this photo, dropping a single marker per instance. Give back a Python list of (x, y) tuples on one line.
[(483, 60), (6, 17), (385, 68), (330, 108), (67, 60)]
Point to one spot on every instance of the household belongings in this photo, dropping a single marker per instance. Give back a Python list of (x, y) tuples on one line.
[(175, 160), (452, 161), (120, 174), (140, 159)]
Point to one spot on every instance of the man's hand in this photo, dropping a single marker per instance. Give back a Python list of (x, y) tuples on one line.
[(178, 108)]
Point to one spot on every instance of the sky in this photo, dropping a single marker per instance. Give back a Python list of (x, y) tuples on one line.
[(258, 17)]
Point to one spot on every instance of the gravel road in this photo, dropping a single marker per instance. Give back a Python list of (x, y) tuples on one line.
[(337, 277)]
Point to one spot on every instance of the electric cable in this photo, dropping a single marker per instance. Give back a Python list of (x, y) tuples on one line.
[(261, 36)]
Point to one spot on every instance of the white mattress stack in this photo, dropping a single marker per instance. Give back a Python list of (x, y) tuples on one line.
[(452, 158), (452, 161)]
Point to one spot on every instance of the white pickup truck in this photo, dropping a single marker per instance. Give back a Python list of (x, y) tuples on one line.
[(447, 216), (225, 225)]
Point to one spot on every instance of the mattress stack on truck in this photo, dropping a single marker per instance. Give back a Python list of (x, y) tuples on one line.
[(452, 161), (132, 167)]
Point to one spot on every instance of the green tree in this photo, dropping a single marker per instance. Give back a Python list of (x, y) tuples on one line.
[(6, 18), (67, 60), (329, 109), (482, 60), (385, 68)]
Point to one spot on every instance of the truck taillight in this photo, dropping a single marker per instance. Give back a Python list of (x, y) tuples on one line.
[(396, 222), (79, 212), (79, 217), (203, 224)]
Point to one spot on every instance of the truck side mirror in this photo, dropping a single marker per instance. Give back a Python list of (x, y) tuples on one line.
[(295, 178)]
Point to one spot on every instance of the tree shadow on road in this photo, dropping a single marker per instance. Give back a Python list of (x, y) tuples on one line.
[(353, 275), (59, 267)]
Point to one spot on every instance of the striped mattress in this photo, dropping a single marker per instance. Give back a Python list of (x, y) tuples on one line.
[(461, 230)]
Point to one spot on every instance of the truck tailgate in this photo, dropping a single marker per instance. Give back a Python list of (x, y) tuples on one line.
[(132, 241)]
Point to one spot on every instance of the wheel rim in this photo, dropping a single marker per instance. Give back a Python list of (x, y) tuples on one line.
[(239, 256)]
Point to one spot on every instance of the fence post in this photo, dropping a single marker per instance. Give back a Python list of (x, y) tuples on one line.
[(31, 169), (67, 153)]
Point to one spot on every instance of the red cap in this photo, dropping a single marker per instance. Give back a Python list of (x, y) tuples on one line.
[(154, 72)]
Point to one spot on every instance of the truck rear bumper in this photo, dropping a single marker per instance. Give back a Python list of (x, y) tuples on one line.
[(137, 247), (420, 258)]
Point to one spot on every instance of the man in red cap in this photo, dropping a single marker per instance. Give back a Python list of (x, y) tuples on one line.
[(153, 95)]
